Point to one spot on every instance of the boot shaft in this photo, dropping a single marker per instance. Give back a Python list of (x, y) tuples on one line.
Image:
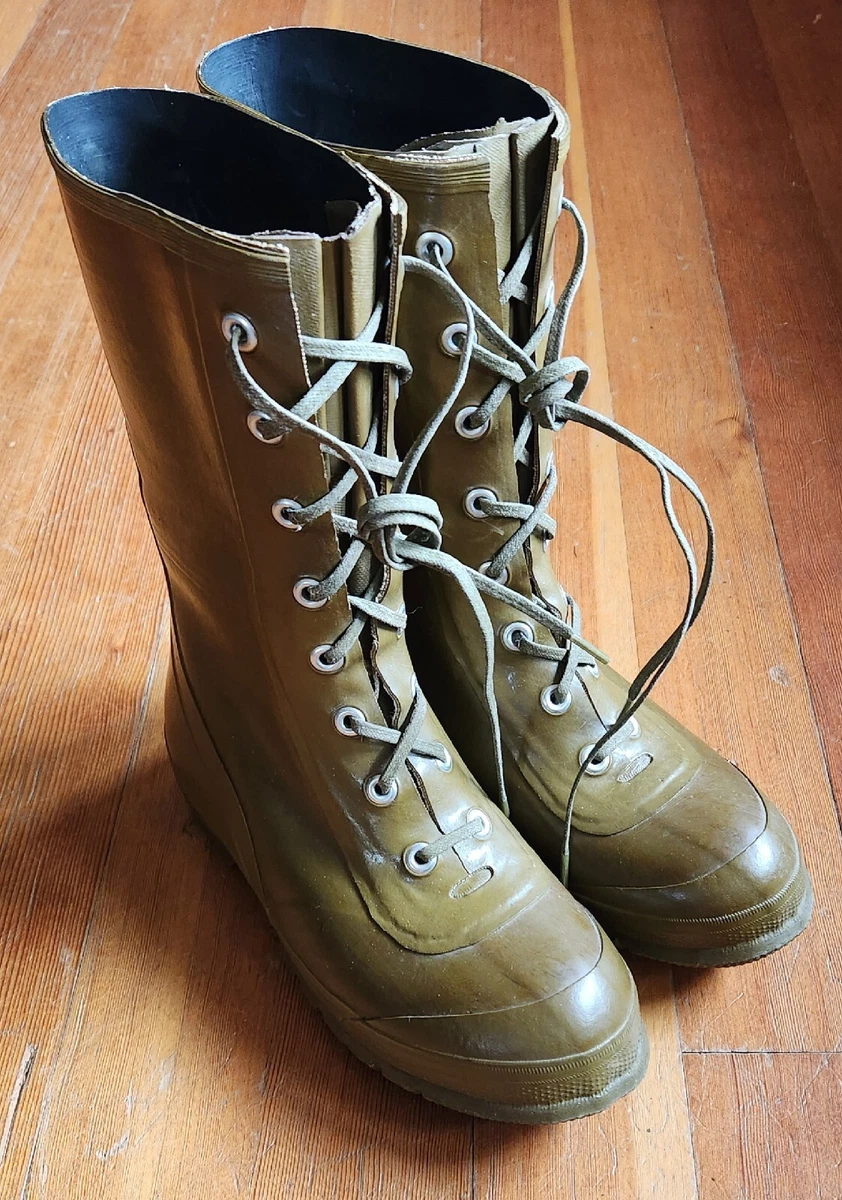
[(182, 211), (477, 153), (167, 252)]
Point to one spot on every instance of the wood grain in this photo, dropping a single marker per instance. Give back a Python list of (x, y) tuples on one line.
[(740, 678), (790, 346), (803, 46), (766, 1126), (152, 1041)]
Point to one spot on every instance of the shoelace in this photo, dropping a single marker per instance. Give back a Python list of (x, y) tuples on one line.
[(373, 536), (550, 395), (402, 529)]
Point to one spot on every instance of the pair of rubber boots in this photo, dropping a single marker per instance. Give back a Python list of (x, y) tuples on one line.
[(342, 375)]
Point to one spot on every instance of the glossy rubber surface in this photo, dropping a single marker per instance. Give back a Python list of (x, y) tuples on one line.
[(484, 978), (673, 847)]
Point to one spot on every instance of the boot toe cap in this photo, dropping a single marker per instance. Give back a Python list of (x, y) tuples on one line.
[(562, 1056), (748, 906)]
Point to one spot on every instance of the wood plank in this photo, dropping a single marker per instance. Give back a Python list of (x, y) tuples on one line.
[(18, 20), (769, 221), (421, 21), (75, 647), (766, 1126), (76, 654), (803, 46), (739, 679), (63, 53)]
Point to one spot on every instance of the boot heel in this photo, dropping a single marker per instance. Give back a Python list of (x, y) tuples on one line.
[(201, 774)]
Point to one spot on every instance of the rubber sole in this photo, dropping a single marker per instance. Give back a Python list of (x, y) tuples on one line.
[(726, 956), (512, 1114)]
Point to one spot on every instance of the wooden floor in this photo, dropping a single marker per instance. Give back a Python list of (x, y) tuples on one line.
[(152, 1040)]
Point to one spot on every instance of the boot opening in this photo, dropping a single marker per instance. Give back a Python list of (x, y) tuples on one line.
[(201, 160), (355, 90)]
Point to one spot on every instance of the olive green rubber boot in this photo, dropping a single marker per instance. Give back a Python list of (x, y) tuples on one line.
[(671, 846), (246, 282)]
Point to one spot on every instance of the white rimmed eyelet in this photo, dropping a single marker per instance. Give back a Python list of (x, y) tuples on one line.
[(466, 431), (471, 499), (281, 510), (453, 338), (378, 796), (417, 867), (599, 766), (234, 320), (513, 634), (432, 238), (476, 814), (632, 728), (502, 578), (551, 703), (318, 663), (254, 420), (300, 593), (592, 669), (342, 720)]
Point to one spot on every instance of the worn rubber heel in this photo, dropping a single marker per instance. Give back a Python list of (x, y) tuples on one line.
[(202, 776)]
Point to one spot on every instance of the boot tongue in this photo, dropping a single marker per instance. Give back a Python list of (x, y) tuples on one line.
[(524, 160), (518, 156), (336, 282)]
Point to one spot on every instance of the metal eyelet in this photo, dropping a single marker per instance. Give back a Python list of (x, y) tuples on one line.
[(466, 431), (592, 669), (254, 421), (280, 511), (232, 321), (633, 728), (470, 503), (551, 703), (380, 797), (426, 242), (476, 814), (319, 663), (416, 866), (453, 338), (300, 593), (503, 578), (512, 635), (599, 766), (342, 720)]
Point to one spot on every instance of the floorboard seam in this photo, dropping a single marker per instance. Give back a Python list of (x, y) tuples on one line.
[(802, 1053), (735, 356)]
